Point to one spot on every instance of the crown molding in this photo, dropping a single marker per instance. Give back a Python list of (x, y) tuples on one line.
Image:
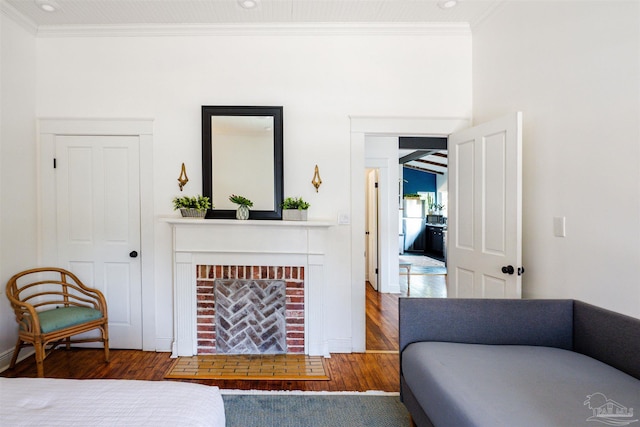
[(275, 29), (26, 23)]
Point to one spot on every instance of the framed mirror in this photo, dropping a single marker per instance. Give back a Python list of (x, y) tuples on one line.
[(242, 154)]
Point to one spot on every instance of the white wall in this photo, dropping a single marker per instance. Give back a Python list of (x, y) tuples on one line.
[(319, 79), (573, 68), (18, 210)]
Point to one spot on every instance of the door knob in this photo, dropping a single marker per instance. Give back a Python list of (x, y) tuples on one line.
[(133, 254), (508, 269)]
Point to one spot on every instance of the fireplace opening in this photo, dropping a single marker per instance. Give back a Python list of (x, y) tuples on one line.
[(250, 309), (250, 316)]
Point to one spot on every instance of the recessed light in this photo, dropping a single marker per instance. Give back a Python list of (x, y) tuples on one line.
[(447, 4), (48, 5), (248, 4)]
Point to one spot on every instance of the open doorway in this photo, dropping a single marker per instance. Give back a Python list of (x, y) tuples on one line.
[(362, 130), (417, 199), (423, 209)]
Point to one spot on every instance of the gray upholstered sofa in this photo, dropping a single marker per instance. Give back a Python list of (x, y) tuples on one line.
[(518, 363)]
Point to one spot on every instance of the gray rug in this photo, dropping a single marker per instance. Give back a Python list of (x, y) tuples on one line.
[(314, 410)]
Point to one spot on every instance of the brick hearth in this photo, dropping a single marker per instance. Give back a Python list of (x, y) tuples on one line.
[(294, 279)]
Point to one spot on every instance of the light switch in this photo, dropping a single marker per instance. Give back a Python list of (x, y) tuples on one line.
[(343, 218), (560, 226)]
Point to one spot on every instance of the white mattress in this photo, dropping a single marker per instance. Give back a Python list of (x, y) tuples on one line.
[(60, 402)]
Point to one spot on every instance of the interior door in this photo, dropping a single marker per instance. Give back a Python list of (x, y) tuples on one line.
[(371, 226), (98, 224), (485, 210)]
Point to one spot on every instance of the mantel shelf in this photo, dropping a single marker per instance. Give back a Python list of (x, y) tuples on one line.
[(234, 222)]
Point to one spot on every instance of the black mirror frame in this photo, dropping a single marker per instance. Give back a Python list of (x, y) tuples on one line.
[(207, 171)]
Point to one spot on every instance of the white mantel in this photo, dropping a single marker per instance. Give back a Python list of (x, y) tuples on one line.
[(250, 242)]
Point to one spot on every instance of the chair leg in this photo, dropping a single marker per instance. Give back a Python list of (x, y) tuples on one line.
[(39, 347), (105, 342), (16, 351)]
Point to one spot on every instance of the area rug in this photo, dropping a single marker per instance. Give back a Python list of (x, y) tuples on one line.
[(314, 410), (291, 367)]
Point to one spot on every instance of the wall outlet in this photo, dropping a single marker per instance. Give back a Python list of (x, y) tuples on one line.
[(344, 218)]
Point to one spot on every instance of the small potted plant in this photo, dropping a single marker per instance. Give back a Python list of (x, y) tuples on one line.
[(195, 207), (243, 206), (294, 209)]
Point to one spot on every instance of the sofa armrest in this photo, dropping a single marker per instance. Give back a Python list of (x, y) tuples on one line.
[(607, 336), (487, 321)]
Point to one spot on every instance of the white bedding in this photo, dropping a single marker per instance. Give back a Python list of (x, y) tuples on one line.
[(60, 402)]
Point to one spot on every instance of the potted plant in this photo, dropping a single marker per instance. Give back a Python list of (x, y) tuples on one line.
[(294, 209), (243, 206), (195, 206)]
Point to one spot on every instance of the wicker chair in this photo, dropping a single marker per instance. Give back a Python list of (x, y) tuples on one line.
[(51, 305)]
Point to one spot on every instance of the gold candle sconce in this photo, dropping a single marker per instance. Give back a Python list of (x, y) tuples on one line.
[(183, 178), (316, 181)]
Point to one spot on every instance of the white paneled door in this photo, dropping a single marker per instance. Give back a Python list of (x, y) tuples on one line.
[(98, 224), (371, 225), (485, 210)]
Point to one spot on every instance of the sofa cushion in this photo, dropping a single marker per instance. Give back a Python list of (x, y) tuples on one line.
[(503, 385), (63, 317)]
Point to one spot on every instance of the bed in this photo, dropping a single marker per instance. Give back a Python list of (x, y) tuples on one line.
[(65, 402)]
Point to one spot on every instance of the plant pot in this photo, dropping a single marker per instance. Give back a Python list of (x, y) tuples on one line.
[(242, 212), (192, 213), (294, 214)]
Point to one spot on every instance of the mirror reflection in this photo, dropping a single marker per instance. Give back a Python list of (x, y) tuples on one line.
[(242, 151), (242, 155)]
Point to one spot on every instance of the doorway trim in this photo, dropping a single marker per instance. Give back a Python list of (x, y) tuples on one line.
[(48, 129), (362, 126)]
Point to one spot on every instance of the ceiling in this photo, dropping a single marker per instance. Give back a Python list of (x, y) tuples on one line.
[(433, 161), (211, 12)]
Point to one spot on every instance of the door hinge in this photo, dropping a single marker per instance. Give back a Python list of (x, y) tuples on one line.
[(376, 271), (54, 162), (376, 185)]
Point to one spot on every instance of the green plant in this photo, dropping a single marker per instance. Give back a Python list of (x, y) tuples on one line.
[(295, 203), (200, 203), (240, 200)]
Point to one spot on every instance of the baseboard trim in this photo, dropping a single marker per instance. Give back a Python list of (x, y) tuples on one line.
[(5, 357)]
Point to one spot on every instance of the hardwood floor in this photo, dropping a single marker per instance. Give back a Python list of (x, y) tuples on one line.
[(348, 372), (375, 370)]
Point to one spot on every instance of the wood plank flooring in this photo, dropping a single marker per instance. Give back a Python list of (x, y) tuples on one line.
[(375, 370)]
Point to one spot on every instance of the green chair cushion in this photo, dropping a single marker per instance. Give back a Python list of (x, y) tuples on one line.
[(63, 317)]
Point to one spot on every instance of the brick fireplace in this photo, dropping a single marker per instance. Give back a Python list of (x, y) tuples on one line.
[(291, 276), (207, 250)]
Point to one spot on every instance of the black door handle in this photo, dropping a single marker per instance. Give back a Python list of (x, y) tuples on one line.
[(133, 254), (508, 269)]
